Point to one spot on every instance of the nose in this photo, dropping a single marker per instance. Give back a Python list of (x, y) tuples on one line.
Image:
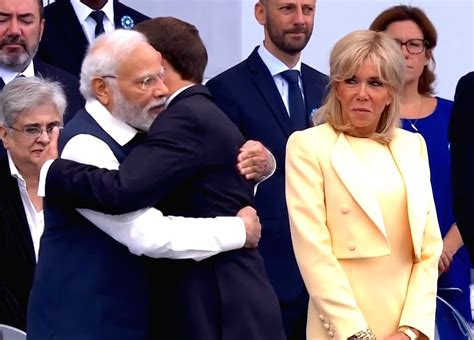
[(44, 137), (299, 16), (405, 52), (160, 90), (14, 28), (362, 93)]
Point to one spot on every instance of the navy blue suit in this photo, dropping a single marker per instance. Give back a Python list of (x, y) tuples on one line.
[(248, 95), (64, 43), (187, 167), (462, 159), (17, 255), (87, 286)]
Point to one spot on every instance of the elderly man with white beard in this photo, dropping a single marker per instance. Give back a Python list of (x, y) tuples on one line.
[(88, 284)]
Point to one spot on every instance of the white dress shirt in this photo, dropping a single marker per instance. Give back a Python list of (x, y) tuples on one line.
[(88, 24), (8, 75), (276, 66), (147, 231), (34, 218)]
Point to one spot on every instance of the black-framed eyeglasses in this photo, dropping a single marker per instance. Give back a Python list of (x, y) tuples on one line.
[(146, 82), (413, 46), (34, 131)]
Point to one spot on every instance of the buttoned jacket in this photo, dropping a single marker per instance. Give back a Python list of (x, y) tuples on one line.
[(335, 214)]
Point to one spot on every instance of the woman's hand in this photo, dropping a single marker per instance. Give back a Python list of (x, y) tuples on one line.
[(451, 244)]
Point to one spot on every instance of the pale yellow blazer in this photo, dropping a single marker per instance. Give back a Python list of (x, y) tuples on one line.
[(327, 190)]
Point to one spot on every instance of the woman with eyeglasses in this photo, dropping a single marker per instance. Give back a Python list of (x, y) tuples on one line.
[(423, 112), (30, 109)]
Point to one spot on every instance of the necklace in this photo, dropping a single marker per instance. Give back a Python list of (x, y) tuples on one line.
[(414, 121)]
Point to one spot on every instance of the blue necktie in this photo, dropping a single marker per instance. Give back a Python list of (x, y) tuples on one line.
[(98, 17), (295, 100), (2, 83)]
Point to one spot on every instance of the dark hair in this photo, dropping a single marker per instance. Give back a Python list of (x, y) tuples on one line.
[(415, 14), (179, 43)]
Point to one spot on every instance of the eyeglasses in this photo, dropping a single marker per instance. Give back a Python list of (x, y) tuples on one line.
[(34, 131), (413, 46), (146, 82)]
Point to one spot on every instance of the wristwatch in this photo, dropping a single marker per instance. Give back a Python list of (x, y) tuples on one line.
[(410, 333)]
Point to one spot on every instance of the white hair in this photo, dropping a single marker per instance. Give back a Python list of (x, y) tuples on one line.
[(25, 93), (105, 55)]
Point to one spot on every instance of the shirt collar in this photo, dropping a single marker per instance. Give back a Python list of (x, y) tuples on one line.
[(13, 169), (120, 131), (175, 94), (8, 75), (275, 65), (83, 11)]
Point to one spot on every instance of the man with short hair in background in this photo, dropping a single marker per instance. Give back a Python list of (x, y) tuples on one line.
[(268, 96)]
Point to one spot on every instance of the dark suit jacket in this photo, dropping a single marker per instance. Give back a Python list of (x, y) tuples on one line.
[(17, 256), (187, 167), (70, 85), (63, 43), (462, 159), (248, 95)]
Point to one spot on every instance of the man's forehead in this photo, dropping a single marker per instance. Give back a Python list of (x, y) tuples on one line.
[(20, 7)]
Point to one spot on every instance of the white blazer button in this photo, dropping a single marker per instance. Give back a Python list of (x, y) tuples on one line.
[(351, 246), (331, 334), (321, 317), (326, 325), (344, 209)]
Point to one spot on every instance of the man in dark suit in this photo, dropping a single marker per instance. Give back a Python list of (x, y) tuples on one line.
[(186, 166), (462, 159), (19, 39), (256, 96), (70, 28)]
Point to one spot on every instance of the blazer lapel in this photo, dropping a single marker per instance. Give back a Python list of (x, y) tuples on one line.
[(356, 180), (266, 86), (407, 159), (12, 212)]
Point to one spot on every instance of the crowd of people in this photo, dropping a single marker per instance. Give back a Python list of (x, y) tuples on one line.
[(273, 202)]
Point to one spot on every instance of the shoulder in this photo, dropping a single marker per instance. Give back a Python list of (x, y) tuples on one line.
[(234, 73), (317, 136), (308, 71), (50, 71), (467, 79), (56, 7), (443, 105), (121, 10)]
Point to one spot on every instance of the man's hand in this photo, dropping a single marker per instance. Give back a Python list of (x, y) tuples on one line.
[(255, 161), (51, 152), (253, 228)]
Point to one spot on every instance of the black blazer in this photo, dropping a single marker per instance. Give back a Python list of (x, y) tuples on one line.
[(64, 43), (17, 255), (462, 159), (248, 95), (186, 167)]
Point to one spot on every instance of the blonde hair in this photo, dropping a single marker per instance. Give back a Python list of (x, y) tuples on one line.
[(347, 56)]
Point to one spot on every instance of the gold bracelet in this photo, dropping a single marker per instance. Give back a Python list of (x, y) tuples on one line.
[(366, 334)]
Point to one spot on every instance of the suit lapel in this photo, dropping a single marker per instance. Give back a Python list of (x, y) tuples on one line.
[(265, 84), (13, 215), (356, 180), (407, 159)]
